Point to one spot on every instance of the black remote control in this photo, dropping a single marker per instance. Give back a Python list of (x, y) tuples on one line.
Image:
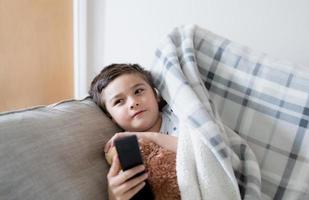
[(130, 156)]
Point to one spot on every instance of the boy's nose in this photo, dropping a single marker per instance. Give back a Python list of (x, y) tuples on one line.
[(134, 105)]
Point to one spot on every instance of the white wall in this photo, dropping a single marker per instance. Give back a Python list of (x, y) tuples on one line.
[(134, 28), (130, 30), (88, 43)]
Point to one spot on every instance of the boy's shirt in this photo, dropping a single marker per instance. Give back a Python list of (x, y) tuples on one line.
[(170, 123)]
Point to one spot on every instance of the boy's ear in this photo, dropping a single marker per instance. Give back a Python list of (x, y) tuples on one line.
[(158, 97)]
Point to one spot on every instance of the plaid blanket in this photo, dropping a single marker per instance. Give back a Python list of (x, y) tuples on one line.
[(243, 117)]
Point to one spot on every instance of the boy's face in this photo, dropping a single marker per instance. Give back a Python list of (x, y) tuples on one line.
[(131, 102)]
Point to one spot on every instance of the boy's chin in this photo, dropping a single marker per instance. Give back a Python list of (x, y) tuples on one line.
[(139, 129)]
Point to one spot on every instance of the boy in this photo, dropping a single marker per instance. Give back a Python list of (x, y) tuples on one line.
[(127, 95)]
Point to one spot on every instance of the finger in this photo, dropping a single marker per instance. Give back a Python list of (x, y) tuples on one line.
[(110, 142), (141, 140), (128, 174), (115, 168), (128, 185), (133, 191), (107, 146)]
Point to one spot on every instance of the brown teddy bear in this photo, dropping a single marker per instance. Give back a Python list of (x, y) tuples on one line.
[(161, 167)]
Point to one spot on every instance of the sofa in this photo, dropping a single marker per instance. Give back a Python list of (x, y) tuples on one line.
[(54, 152)]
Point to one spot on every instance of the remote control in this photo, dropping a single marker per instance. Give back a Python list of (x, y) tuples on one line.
[(130, 156)]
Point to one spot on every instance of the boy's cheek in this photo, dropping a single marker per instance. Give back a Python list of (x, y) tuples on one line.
[(120, 118)]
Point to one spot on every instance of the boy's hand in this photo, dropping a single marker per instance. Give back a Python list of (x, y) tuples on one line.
[(120, 186), (166, 141)]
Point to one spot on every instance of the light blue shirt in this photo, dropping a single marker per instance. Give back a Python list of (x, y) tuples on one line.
[(170, 122)]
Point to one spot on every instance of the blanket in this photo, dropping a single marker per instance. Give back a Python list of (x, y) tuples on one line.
[(214, 159)]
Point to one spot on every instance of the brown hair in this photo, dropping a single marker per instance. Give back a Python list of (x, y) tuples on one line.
[(111, 72)]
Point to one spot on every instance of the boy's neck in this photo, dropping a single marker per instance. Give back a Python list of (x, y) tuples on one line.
[(157, 126)]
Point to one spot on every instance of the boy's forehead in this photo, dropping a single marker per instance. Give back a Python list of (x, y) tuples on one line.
[(122, 84), (126, 81)]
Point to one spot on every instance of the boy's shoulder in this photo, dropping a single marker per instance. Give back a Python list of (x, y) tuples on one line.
[(169, 121)]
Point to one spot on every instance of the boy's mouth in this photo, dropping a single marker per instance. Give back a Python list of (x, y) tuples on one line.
[(138, 113)]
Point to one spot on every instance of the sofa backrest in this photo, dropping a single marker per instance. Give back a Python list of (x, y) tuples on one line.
[(54, 152)]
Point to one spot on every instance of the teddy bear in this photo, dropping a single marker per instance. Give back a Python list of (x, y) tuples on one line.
[(160, 164)]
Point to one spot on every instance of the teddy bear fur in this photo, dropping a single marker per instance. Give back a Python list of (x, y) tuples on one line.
[(161, 167)]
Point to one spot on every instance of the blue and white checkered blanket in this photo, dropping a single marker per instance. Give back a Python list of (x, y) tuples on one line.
[(243, 116)]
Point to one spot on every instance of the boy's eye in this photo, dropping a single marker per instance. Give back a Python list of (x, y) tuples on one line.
[(118, 101), (138, 91)]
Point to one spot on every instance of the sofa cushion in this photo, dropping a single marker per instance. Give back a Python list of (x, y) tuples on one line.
[(54, 152)]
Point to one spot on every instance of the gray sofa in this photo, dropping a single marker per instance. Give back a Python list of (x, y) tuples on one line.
[(54, 152)]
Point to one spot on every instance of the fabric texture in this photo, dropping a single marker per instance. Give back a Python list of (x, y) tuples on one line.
[(243, 117), (54, 152), (170, 122), (160, 164)]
